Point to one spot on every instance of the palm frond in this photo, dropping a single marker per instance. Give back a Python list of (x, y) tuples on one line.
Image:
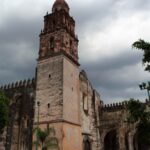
[(35, 130), (36, 143), (44, 148), (52, 142), (147, 68), (46, 138), (51, 131)]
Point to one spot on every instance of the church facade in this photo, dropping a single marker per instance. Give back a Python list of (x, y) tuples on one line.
[(61, 97)]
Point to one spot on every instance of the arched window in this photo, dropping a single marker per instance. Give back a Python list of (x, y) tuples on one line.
[(85, 102), (52, 43), (70, 43), (54, 23)]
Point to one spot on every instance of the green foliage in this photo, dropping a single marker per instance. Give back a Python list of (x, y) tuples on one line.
[(135, 109), (139, 115), (4, 106), (145, 46), (45, 138)]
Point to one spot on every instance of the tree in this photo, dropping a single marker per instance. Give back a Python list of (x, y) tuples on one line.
[(46, 138), (4, 106), (145, 46), (139, 115)]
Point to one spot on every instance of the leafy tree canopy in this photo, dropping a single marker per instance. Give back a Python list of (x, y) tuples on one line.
[(4, 104), (145, 46), (138, 114)]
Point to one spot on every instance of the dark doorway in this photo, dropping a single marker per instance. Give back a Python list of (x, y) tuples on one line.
[(126, 141), (111, 141), (86, 143)]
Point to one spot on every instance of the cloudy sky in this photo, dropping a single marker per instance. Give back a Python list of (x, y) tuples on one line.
[(106, 30)]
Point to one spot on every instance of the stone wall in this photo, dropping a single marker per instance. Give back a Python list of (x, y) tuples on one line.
[(89, 104), (49, 89), (113, 125), (58, 86), (71, 106), (18, 133)]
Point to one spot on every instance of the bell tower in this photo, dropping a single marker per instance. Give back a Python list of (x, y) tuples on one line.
[(58, 35), (57, 78)]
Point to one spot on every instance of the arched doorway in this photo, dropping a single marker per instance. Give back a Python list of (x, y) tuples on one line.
[(86, 143), (111, 141)]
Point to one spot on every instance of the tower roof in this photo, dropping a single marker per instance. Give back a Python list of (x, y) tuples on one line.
[(60, 5)]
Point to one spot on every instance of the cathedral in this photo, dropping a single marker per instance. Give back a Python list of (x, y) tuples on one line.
[(61, 97)]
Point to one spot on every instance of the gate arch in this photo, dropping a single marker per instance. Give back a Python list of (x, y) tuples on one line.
[(111, 141)]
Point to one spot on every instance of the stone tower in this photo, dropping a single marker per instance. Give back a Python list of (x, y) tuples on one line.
[(57, 81), (58, 35)]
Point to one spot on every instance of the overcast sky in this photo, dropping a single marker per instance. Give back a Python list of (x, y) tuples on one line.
[(106, 31)]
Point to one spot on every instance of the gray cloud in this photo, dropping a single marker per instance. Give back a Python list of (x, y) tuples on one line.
[(106, 30), (18, 47), (117, 78)]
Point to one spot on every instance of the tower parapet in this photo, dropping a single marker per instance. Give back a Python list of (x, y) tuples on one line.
[(114, 106)]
